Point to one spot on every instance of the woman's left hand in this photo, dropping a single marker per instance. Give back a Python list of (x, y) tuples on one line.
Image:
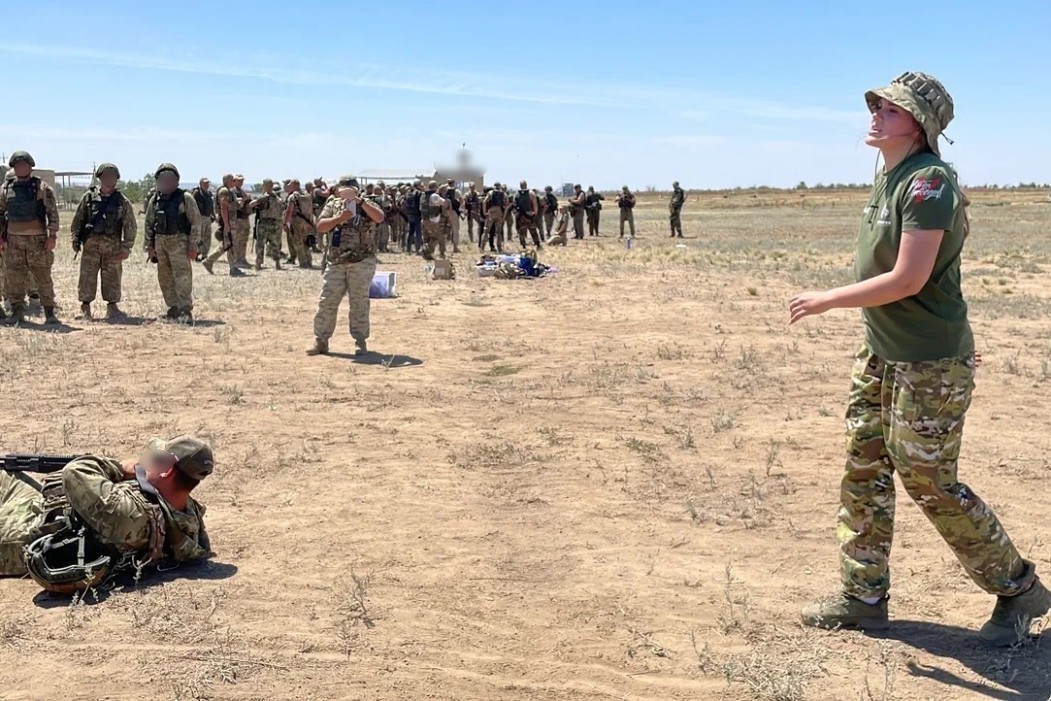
[(807, 304)]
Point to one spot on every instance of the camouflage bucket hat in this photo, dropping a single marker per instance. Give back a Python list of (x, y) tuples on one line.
[(923, 97), (193, 458)]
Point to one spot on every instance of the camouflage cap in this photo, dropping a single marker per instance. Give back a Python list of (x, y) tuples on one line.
[(107, 168), (923, 97), (21, 156), (193, 458), (163, 167), (348, 181)]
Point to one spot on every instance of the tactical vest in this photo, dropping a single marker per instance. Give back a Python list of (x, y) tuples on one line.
[(317, 200), (272, 209), (626, 202), (522, 202), (432, 210), (105, 214), (169, 215), (353, 241), (552, 202), (496, 198), (24, 201), (205, 203), (242, 210), (413, 203), (454, 201), (471, 200), (303, 207)]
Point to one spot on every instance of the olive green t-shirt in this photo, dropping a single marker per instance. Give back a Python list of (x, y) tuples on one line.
[(920, 193)]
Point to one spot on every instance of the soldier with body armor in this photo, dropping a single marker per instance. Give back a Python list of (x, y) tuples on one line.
[(472, 208), (431, 213), (526, 209), (99, 516), (242, 230), (453, 213), (626, 203), (593, 205), (350, 267), (299, 219), (678, 198), (550, 208), (202, 195), (493, 209), (28, 232), (413, 205), (269, 212), (104, 232), (577, 207), (173, 228), (225, 207)]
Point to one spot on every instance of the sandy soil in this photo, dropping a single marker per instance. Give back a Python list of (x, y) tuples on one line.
[(619, 482)]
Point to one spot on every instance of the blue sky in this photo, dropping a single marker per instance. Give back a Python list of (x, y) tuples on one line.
[(638, 93)]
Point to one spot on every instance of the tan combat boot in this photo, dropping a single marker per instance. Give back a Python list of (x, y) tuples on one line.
[(1013, 615), (319, 348), (842, 611)]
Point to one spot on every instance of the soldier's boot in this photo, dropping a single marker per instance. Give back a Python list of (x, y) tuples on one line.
[(208, 265), (184, 316), (1013, 615), (172, 313), (842, 611), (236, 272), (361, 347), (277, 264), (3, 315), (113, 312), (18, 314), (85, 312), (319, 348), (49, 317)]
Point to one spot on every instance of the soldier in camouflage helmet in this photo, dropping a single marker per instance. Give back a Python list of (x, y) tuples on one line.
[(28, 232), (270, 210), (173, 228), (351, 264), (104, 232), (141, 508), (913, 377)]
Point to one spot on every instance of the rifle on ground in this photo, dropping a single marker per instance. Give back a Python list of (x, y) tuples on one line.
[(30, 462)]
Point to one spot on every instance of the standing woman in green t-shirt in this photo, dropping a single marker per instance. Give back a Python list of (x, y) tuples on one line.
[(913, 377)]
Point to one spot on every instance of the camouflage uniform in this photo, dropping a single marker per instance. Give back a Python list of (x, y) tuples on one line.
[(626, 202), (594, 210), (550, 209), (577, 208), (678, 198), (225, 231), (113, 231), (302, 226), (348, 274), (268, 228), (242, 230), (28, 219), (114, 507), (493, 207), (526, 216), (173, 227), (432, 215)]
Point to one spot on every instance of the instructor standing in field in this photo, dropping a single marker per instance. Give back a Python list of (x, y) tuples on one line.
[(913, 377), (351, 265)]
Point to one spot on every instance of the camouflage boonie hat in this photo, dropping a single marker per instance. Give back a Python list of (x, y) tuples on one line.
[(21, 156), (923, 97), (163, 167), (107, 167), (193, 458)]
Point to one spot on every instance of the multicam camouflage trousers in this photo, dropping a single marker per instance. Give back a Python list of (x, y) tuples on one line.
[(297, 241), (27, 261), (578, 224), (676, 223), (174, 271), (526, 223), (435, 234), (350, 280), (20, 507), (493, 230), (268, 237), (907, 417), (241, 232), (99, 258), (627, 215), (549, 223)]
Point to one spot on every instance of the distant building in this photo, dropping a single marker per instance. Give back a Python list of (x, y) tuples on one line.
[(463, 173)]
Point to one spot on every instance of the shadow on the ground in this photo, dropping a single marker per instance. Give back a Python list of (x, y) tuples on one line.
[(1022, 673), (207, 570), (391, 362)]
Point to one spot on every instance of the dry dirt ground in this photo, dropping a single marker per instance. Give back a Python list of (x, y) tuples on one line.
[(619, 482)]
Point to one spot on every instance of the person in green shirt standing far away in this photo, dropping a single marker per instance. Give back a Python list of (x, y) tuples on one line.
[(913, 377)]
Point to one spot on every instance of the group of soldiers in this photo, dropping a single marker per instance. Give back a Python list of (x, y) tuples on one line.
[(418, 217)]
